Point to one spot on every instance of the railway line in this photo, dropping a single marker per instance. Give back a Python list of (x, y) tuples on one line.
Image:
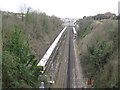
[(64, 69), (71, 62), (45, 61)]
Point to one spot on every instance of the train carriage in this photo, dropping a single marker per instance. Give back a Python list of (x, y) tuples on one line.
[(42, 65), (74, 33)]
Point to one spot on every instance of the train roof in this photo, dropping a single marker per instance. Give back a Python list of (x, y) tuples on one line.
[(74, 31), (48, 53)]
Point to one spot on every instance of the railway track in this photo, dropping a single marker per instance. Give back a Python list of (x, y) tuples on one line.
[(65, 66), (75, 78), (69, 63)]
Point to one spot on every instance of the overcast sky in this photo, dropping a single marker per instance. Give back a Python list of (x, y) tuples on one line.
[(63, 8)]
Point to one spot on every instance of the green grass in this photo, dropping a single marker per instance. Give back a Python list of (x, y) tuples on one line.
[(86, 32)]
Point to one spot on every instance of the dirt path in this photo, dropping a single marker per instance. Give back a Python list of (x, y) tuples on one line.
[(80, 80)]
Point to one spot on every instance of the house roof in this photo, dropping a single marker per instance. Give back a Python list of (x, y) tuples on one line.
[(108, 13)]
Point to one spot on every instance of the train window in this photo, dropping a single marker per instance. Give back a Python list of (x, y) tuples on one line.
[(41, 68)]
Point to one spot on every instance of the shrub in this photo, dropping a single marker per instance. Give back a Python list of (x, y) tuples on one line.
[(18, 62), (99, 53)]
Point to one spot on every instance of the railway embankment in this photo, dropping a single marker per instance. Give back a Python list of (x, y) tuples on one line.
[(98, 51), (25, 40)]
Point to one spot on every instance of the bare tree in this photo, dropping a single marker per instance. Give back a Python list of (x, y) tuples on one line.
[(23, 10)]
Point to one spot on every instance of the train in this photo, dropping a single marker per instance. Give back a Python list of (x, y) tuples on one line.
[(43, 63), (74, 33)]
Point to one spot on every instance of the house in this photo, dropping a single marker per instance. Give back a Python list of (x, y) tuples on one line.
[(109, 14)]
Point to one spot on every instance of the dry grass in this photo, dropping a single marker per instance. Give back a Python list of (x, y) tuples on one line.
[(39, 28)]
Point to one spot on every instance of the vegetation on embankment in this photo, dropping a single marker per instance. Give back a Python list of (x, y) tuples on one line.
[(25, 40), (98, 51)]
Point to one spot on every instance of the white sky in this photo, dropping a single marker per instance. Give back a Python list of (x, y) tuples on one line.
[(63, 8)]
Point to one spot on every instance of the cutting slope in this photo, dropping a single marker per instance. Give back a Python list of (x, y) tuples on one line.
[(98, 52)]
